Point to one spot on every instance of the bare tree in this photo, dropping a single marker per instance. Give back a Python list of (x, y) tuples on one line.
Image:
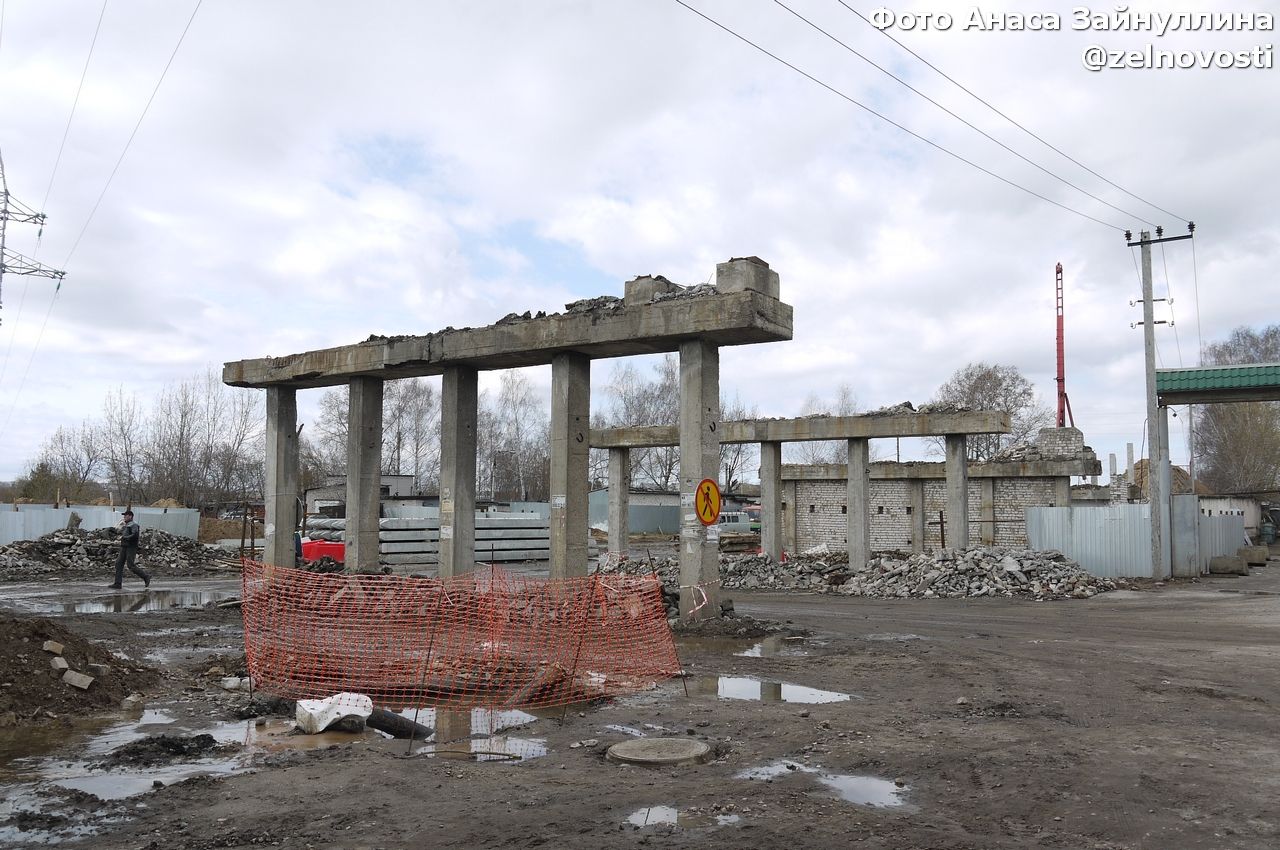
[(845, 403), (68, 464), (986, 386), (737, 459), (1238, 445), (637, 401), (121, 434)]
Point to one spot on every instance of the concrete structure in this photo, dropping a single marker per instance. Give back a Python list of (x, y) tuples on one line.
[(902, 421), (646, 512), (912, 506), (334, 491), (654, 316)]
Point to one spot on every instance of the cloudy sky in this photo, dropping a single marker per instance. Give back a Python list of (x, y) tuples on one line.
[(313, 172)]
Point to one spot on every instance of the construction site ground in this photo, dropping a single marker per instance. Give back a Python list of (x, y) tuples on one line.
[(1136, 719)]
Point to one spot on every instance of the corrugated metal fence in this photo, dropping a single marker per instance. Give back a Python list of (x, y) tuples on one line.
[(32, 521), (1115, 540)]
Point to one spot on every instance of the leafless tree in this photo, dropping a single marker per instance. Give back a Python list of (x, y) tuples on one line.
[(634, 400), (737, 460), (1238, 445), (122, 435), (845, 403), (68, 465), (986, 386)]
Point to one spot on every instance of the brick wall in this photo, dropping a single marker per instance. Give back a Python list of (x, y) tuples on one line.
[(1060, 442)]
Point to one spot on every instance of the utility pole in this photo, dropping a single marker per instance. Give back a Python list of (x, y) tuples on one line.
[(1158, 472), (11, 209)]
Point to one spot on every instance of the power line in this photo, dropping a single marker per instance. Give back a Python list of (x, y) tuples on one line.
[(129, 142), (1168, 290), (890, 121), (1195, 278), (1030, 133), (962, 120), (67, 130)]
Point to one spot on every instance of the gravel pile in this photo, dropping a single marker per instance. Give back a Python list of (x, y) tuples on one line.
[(993, 571), (79, 554)]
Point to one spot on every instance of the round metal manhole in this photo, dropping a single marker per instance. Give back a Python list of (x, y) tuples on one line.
[(659, 751)]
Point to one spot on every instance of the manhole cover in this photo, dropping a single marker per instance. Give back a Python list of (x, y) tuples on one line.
[(659, 751)]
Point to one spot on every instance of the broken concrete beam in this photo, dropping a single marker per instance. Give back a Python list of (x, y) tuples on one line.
[(53, 646), (747, 274), (1228, 565), (99, 670), (642, 289), (77, 680), (59, 663), (397, 725), (1255, 555)]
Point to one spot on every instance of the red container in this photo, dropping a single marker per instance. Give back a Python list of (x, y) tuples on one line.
[(313, 550)]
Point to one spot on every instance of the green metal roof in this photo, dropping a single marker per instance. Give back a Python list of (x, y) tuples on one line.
[(1207, 384)]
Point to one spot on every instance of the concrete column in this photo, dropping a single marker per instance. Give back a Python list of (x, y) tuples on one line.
[(619, 500), (1062, 491), (915, 498), (987, 529), (771, 500), (570, 426), (699, 459), (789, 513), (859, 504), (957, 493), (459, 394), (364, 473), (282, 476)]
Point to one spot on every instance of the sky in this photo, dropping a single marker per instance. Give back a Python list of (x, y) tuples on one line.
[(310, 173)]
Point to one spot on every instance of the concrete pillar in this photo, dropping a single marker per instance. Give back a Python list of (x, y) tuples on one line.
[(858, 501), (1062, 491), (570, 426), (459, 394), (699, 459), (771, 500), (915, 499), (789, 513), (987, 498), (1129, 470), (364, 473), (619, 500), (1111, 465), (957, 493), (282, 476)]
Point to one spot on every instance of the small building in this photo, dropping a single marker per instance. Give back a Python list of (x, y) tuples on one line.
[(334, 491), (648, 511)]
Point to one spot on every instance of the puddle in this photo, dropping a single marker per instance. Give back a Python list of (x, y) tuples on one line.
[(893, 636), (625, 730), (773, 646), (478, 734), (868, 791), (120, 603), (671, 816), (747, 688)]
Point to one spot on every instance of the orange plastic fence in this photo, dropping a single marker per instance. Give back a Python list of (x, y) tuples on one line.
[(486, 639)]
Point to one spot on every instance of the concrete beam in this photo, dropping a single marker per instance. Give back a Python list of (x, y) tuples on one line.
[(364, 473), (915, 503), (459, 395), (890, 471), (281, 477), (699, 459), (814, 428), (570, 424), (858, 501), (595, 328), (619, 500), (957, 492), (771, 532)]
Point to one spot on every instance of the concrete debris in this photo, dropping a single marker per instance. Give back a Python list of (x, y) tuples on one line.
[(1228, 565), (53, 646), (601, 303), (133, 702), (59, 663), (700, 291), (339, 711), (75, 553), (978, 572), (77, 680)]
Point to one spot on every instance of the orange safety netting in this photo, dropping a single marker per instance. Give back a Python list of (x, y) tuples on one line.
[(488, 638)]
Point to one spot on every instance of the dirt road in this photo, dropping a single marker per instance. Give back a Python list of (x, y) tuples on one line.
[(1131, 720)]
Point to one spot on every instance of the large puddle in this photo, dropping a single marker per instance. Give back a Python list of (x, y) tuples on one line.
[(122, 602), (868, 791), (748, 688), (480, 734), (773, 646)]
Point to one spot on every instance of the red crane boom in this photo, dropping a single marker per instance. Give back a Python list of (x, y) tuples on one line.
[(1064, 403)]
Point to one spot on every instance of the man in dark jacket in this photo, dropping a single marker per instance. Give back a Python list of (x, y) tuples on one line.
[(130, 534)]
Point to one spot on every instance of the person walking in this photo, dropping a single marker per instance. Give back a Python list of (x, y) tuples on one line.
[(130, 534)]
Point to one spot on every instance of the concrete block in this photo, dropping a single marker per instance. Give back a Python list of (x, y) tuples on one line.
[(133, 702), (743, 274), (53, 646), (59, 663), (77, 680), (1255, 555), (642, 289), (1228, 565), (99, 670)]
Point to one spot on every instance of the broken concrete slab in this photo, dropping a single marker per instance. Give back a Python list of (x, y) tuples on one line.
[(77, 680), (133, 702), (53, 646), (316, 715), (1253, 555), (59, 663), (1228, 565), (99, 670)]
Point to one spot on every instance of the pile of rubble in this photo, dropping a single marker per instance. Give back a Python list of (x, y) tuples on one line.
[(983, 571), (73, 553)]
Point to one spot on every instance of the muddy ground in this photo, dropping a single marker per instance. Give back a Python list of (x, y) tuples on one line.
[(1131, 720)]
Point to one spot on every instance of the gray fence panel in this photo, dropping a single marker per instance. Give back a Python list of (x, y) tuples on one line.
[(1219, 535), (38, 520), (1110, 541), (1186, 536)]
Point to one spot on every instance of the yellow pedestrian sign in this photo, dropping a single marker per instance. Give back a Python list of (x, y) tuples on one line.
[(706, 501)]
